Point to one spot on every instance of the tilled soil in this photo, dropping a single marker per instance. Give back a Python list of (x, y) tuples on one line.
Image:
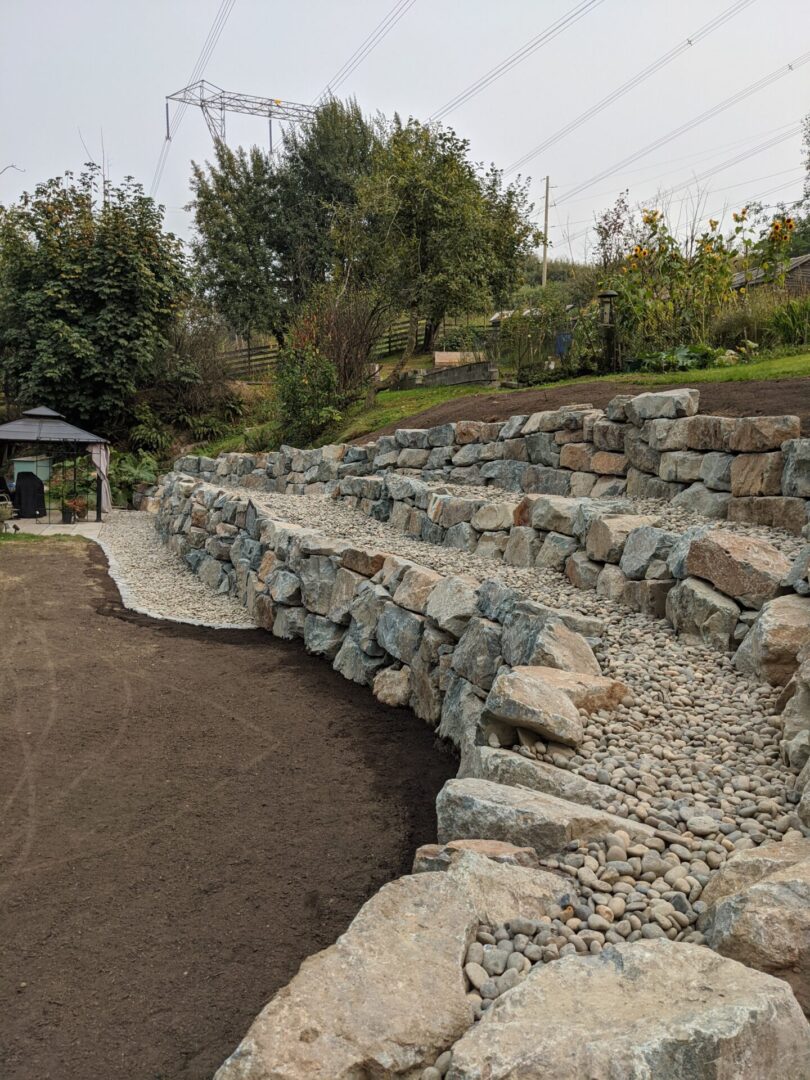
[(768, 397), (187, 814)]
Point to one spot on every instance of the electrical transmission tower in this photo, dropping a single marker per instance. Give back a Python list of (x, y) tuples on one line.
[(215, 102)]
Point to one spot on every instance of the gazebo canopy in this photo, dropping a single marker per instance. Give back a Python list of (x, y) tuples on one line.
[(42, 425)]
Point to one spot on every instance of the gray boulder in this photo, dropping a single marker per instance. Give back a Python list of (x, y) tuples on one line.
[(477, 656), (643, 546), (796, 469), (668, 404), (480, 809), (695, 608), (399, 632), (700, 500)]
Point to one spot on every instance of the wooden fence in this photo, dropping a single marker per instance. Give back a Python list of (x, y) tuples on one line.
[(255, 363)]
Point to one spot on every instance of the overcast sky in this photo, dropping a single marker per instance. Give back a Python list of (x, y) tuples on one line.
[(104, 68)]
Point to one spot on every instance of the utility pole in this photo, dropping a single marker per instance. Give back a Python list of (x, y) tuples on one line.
[(545, 234)]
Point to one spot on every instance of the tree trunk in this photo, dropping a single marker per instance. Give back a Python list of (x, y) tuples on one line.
[(410, 348)]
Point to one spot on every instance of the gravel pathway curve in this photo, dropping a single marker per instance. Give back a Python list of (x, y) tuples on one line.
[(153, 581)]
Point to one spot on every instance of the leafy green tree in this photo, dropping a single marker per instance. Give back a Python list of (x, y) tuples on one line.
[(439, 237), (236, 243), (264, 225), (89, 287)]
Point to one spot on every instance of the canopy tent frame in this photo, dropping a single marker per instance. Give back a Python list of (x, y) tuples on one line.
[(45, 427)]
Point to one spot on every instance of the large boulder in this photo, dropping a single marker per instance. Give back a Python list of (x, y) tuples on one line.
[(747, 569), (453, 602), (756, 474), (477, 656), (649, 1010), (389, 996), (756, 434), (668, 404), (590, 693), (766, 925), (515, 770), (485, 810), (521, 698), (607, 535), (643, 546), (770, 648), (696, 609)]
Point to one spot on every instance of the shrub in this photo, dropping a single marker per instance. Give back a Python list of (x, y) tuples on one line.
[(461, 339), (789, 323), (683, 358), (129, 470), (307, 394)]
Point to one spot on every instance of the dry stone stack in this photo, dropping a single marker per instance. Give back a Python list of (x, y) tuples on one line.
[(603, 829)]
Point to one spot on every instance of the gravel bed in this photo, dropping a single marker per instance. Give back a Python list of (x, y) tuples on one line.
[(153, 581)]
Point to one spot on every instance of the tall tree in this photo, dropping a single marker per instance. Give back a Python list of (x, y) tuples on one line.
[(264, 225), (444, 238), (89, 284)]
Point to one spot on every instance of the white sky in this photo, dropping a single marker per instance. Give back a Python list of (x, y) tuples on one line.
[(105, 66)]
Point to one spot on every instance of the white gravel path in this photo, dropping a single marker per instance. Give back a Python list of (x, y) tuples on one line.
[(153, 581)]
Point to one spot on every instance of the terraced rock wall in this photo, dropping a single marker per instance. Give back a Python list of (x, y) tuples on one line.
[(652, 446), (599, 823)]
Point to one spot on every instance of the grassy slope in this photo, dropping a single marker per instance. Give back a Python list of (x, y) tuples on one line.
[(394, 405)]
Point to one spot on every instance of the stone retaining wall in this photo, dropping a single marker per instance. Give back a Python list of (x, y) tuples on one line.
[(491, 669), (707, 581), (437, 643), (654, 445)]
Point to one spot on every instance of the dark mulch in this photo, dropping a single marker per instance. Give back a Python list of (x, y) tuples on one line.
[(771, 397), (187, 815)]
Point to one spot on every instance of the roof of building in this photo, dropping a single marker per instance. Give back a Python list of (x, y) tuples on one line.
[(43, 425), (755, 277)]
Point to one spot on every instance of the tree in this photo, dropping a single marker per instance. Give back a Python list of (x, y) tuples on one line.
[(440, 238), (264, 225), (236, 243), (89, 286)]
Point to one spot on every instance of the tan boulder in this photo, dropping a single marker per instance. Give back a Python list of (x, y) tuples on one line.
[(756, 474), (389, 996), (648, 1010), (755, 434), (588, 692), (770, 648), (607, 535), (393, 686), (515, 770), (415, 588), (766, 926), (481, 808), (743, 567), (521, 699), (605, 463), (577, 456), (746, 868)]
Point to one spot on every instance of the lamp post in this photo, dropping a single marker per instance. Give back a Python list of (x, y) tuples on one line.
[(607, 321)]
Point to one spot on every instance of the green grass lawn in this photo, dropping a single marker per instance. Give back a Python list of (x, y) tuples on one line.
[(34, 538), (393, 405)]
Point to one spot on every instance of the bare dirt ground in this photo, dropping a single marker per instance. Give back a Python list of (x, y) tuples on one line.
[(187, 814), (768, 397)]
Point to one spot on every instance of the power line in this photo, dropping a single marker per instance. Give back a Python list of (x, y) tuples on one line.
[(631, 84), (208, 46), (367, 46), (709, 114), (676, 202), (579, 11), (698, 155)]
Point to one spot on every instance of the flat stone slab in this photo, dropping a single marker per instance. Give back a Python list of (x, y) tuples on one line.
[(481, 809), (643, 1011)]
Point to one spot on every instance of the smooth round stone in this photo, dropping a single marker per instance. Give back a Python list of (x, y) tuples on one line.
[(444, 1061), (702, 825), (431, 1073), (476, 974), (475, 953)]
